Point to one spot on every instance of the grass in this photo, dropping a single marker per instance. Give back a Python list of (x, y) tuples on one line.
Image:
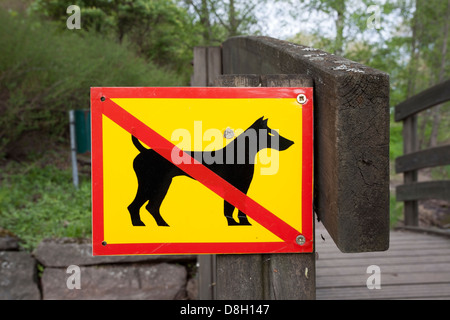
[(39, 201)]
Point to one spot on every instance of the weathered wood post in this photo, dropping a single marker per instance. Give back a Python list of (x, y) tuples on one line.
[(207, 66), (351, 142), (351, 163), (411, 209), (265, 276)]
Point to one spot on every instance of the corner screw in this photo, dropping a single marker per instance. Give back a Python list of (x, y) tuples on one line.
[(301, 98), (300, 240), (103, 243), (102, 98), (229, 133)]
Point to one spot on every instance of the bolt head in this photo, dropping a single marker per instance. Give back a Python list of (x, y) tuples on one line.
[(301, 98), (300, 240), (228, 133)]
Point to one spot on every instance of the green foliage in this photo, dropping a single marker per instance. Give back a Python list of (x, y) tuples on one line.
[(44, 72), (157, 30), (217, 20), (39, 202), (163, 31), (396, 139), (395, 210)]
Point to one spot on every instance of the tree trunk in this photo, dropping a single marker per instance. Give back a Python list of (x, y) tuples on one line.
[(232, 19), (340, 21)]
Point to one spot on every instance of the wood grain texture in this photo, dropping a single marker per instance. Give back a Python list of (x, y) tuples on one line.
[(416, 266), (290, 276), (411, 207), (432, 157), (424, 190), (423, 100), (265, 276), (351, 143), (207, 65)]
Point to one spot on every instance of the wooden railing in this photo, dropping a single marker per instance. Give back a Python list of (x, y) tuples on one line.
[(413, 159)]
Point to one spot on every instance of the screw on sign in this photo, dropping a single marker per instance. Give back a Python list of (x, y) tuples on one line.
[(170, 175), (228, 133)]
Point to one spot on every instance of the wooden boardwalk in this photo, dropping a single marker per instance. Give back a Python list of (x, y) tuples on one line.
[(416, 266)]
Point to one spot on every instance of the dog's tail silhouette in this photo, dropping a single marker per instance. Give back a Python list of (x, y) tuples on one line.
[(138, 144)]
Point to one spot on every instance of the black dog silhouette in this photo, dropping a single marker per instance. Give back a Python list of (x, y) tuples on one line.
[(234, 163)]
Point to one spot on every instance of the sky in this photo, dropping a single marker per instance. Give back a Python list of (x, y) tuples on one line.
[(283, 21)]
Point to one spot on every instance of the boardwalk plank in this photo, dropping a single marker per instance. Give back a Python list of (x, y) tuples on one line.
[(387, 278), (416, 291), (416, 266)]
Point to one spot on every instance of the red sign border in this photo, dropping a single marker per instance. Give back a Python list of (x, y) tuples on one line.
[(101, 95)]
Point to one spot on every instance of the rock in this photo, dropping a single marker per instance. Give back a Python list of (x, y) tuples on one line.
[(18, 276), (9, 243), (161, 281), (192, 288), (66, 251)]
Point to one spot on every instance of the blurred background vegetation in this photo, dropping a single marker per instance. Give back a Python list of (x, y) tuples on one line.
[(47, 69)]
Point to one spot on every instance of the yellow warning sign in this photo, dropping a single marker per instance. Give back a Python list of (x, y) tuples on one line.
[(150, 204)]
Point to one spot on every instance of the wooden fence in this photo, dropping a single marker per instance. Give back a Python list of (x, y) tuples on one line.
[(351, 159), (413, 159)]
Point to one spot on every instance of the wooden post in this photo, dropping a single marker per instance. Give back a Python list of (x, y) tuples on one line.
[(207, 66), (214, 64), (207, 277), (411, 210), (200, 75), (351, 135), (265, 276)]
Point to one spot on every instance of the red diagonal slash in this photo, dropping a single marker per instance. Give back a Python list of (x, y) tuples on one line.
[(199, 172)]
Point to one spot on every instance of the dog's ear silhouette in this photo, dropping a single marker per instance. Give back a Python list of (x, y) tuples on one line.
[(260, 122), (264, 122)]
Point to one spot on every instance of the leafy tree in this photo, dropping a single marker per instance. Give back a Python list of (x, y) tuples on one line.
[(429, 62), (411, 45), (219, 20), (45, 72), (336, 10), (159, 30)]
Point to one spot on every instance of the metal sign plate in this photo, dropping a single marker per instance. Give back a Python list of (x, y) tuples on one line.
[(202, 170)]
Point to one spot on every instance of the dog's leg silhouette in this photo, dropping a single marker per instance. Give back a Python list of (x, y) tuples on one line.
[(134, 207), (242, 182), (154, 194), (148, 190), (228, 210)]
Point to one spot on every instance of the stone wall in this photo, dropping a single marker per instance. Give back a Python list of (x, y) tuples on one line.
[(44, 274)]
